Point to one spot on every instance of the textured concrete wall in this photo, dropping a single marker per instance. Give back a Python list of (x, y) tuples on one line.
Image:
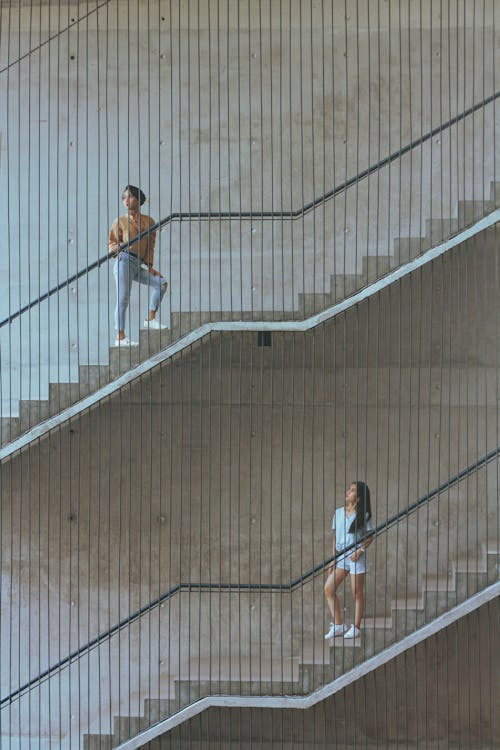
[(240, 106), (225, 466)]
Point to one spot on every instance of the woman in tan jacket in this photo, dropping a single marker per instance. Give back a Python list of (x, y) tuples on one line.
[(130, 262)]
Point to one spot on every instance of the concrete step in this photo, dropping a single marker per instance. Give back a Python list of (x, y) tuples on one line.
[(468, 584), (493, 566), (343, 285), (310, 304), (471, 211), (125, 727), (10, 428), (495, 194), (374, 266), (122, 359), (98, 742), (31, 413), (405, 621), (408, 248), (439, 602), (159, 708), (62, 395), (151, 342), (93, 377), (437, 230)]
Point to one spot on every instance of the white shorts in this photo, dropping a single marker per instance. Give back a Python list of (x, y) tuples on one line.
[(360, 566)]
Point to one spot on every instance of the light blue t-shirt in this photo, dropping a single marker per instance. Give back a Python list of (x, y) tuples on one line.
[(341, 523)]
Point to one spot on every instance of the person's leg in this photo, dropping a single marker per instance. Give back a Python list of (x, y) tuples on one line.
[(124, 274), (357, 587), (331, 585), (158, 291), (157, 286)]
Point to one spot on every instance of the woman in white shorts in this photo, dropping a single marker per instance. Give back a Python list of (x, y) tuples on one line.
[(351, 527)]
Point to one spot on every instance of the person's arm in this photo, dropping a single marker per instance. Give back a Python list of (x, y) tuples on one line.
[(331, 567), (363, 546), (151, 240), (114, 238)]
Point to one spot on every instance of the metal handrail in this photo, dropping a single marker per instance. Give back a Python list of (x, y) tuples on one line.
[(258, 587), (268, 215)]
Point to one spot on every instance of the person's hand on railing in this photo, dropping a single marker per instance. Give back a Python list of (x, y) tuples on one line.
[(114, 249)]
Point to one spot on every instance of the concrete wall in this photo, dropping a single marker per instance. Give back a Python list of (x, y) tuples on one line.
[(225, 466), (240, 106)]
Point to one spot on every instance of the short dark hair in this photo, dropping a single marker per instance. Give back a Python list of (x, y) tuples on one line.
[(136, 192)]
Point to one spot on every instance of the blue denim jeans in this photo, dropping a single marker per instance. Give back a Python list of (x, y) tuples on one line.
[(128, 269)]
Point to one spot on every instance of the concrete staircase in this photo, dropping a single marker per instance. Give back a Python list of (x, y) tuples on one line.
[(315, 665), (92, 377)]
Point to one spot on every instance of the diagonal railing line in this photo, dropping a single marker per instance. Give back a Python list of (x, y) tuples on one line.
[(267, 215), (254, 587)]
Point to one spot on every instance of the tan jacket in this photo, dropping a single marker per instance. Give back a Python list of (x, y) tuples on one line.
[(125, 228)]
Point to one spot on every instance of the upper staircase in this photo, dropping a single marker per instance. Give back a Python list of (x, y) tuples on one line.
[(92, 377)]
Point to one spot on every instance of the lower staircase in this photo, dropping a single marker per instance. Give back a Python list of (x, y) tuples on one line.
[(316, 663)]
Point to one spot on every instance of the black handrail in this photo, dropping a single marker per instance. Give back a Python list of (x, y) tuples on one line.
[(227, 215), (218, 587)]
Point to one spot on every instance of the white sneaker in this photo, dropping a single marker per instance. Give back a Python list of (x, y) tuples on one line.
[(125, 342), (154, 325), (334, 631), (353, 632)]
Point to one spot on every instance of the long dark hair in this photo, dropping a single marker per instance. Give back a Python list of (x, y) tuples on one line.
[(363, 508)]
